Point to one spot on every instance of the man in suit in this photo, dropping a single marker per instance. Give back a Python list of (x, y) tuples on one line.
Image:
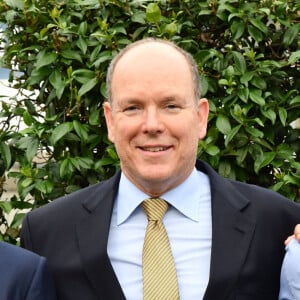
[(24, 275), (226, 237)]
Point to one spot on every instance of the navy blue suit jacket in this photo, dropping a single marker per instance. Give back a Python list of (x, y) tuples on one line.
[(23, 275), (249, 226)]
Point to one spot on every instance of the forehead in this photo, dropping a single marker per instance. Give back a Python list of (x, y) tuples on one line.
[(153, 58)]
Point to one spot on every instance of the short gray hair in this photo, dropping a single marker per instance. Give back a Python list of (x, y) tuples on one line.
[(190, 60)]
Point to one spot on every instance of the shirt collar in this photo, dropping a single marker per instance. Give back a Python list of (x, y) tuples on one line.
[(186, 197)]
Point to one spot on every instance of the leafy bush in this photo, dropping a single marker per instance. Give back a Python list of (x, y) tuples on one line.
[(58, 52)]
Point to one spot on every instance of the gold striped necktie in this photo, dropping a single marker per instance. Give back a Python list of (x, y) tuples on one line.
[(159, 272)]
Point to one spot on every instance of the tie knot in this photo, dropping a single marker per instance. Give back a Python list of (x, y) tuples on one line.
[(155, 208)]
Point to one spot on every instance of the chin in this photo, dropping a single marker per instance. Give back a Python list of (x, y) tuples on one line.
[(156, 179)]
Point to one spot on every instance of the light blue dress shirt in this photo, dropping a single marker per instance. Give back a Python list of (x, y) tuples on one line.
[(189, 227), (290, 273)]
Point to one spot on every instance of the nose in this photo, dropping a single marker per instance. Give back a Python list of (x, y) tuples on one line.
[(153, 122)]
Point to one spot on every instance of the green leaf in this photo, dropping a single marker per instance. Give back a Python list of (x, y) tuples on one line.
[(265, 10), (240, 63), (119, 28), (6, 206), (44, 186), (254, 132), (30, 106), (282, 115), (258, 121), (295, 100), (104, 162), (83, 27), (39, 75), (224, 169), (205, 12), (94, 118), (290, 179), (72, 188), (87, 86), (237, 28), (103, 90), (94, 4), (58, 83), (5, 154), (30, 144), (139, 17), (290, 35), (232, 134), (295, 56), (72, 55), (259, 82), (81, 130), (17, 220), (212, 150), (255, 96), (265, 159), (138, 32), (82, 45), (171, 28), (284, 151), (85, 162), (270, 114), (223, 124), (17, 4), (60, 131), (259, 25), (26, 182), (204, 85), (112, 153), (153, 13), (223, 81), (243, 94), (103, 57), (247, 77), (241, 155), (123, 42), (75, 162), (45, 58), (276, 187), (255, 33), (83, 75), (203, 56), (66, 168), (32, 148)]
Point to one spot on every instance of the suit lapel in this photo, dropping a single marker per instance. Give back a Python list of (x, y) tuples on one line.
[(92, 234), (232, 230)]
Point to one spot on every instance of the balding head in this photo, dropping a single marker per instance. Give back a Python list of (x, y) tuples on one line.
[(148, 43)]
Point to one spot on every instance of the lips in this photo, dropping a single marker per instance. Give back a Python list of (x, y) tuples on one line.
[(155, 149)]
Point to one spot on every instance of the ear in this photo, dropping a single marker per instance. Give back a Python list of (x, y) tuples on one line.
[(109, 120), (203, 111)]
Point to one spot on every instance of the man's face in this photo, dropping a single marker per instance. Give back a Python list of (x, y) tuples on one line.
[(154, 120)]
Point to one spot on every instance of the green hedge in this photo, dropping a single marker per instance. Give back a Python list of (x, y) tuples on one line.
[(248, 57)]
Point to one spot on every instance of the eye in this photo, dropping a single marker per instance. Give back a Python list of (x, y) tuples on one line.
[(172, 107), (131, 109)]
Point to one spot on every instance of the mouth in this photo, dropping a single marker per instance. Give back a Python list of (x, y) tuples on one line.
[(155, 149)]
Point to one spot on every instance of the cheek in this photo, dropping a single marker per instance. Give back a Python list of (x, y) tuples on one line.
[(123, 134), (186, 130), (189, 135)]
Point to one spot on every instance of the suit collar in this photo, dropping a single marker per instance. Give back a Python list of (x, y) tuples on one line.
[(92, 234), (232, 230)]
